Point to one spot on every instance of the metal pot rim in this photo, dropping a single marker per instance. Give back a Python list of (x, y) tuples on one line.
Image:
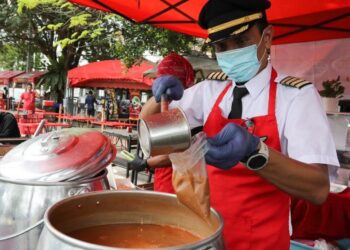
[(188, 124), (90, 246), (100, 175), (141, 121)]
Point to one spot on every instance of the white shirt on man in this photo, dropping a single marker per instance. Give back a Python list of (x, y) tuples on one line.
[(302, 123)]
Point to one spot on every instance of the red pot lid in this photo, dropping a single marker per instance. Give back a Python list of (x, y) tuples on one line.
[(58, 156)]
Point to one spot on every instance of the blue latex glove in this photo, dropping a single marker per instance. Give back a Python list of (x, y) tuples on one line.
[(230, 146), (169, 85)]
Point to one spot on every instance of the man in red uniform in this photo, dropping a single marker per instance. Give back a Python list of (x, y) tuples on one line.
[(267, 132), (181, 68), (28, 99)]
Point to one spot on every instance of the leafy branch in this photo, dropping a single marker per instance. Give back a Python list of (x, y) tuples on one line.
[(332, 88)]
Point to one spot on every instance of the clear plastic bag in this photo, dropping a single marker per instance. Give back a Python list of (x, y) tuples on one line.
[(190, 177)]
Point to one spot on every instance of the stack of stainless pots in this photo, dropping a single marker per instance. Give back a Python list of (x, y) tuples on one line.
[(44, 170)]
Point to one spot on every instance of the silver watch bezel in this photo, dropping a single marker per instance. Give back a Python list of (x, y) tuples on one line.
[(263, 152)]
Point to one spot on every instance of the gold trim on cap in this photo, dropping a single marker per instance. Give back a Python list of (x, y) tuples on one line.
[(235, 22), (240, 30), (236, 32)]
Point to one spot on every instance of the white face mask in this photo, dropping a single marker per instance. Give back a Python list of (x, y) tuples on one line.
[(242, 64)]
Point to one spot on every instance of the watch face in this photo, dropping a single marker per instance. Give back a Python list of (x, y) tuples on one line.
[(256, 162)]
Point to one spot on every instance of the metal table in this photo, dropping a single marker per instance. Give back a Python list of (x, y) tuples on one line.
[(127, 141), (124, 139)]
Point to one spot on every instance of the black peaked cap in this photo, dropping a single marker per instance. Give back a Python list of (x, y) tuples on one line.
[(223, 18)]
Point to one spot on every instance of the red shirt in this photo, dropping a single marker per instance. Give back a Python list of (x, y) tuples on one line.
[(28, 100)]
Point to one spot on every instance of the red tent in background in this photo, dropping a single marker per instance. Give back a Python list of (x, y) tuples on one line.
[(28, 77), (294, 21), (7, 76), (110, 74)]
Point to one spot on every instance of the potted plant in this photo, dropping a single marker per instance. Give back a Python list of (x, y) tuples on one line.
[(332, 91)]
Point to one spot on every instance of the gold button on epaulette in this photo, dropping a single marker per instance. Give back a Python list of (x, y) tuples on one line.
[(294, 82), (218, 76)]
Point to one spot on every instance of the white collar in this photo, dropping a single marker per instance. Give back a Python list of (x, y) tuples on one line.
[(258, 82)]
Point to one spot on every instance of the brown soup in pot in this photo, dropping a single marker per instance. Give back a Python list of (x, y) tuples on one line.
[(135, 235)]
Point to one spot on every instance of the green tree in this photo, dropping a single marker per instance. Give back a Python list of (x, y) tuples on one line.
[(11, 57), (135, 39), (66, 34), (14, 57), (61, 32)]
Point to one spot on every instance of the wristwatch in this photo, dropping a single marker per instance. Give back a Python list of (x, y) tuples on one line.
[(258, 159)]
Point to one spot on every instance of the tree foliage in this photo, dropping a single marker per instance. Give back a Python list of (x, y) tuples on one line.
[(332, 88), (43, 26), (66, 34), (12, 57), (135, 39)]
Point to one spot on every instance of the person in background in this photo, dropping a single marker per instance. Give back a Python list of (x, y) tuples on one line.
[(179, 67), (90, 102), (135, 108), (2, 100), (6, 92), (28, 99), (267, 133), (5, 97), (56, 107), (107, 104), (8, 126)]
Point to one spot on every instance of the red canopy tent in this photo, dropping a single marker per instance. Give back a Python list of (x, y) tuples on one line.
[(110, 74), (7, 76), (294, 21), (28, 77)]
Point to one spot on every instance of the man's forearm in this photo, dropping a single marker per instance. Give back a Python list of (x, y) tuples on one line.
[(150, 107), (158, 161), (305, 181)]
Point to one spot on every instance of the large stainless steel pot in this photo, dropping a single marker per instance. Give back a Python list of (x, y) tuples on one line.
[(23, 205), (116, 207), (59, 156)]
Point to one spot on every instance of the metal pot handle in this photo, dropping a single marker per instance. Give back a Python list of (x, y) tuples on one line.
[(22, 232), (78, 190), (164, 103)]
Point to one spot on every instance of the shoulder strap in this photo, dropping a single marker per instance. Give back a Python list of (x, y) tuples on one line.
[(294, 82), (218, 76)]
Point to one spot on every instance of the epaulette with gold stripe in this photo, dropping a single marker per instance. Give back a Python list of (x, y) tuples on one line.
[(294, 82), (218, 76)]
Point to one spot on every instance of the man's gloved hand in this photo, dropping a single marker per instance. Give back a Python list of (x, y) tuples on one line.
[(169, 85), (230, 146), (138, 164)]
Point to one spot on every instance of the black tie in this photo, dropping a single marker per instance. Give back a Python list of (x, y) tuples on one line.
[(236, 109)]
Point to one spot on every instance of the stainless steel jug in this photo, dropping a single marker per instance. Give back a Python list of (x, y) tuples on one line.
[(164, 133)]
